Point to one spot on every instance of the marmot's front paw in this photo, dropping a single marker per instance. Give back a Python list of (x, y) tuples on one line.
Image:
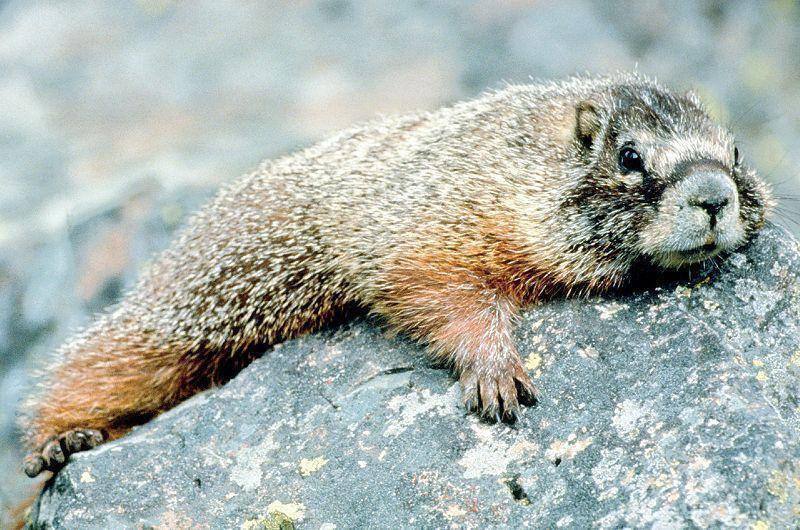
[(54, 453), (497, 394)]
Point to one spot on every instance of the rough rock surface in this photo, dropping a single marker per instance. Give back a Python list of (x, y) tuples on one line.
[(667, 407)]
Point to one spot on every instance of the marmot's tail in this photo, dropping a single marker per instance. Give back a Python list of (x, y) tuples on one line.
[(117, 374)]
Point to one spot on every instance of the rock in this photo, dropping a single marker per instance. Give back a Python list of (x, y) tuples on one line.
[(672, 406)]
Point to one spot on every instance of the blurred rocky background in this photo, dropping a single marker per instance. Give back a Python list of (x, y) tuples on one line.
[(119, 117)]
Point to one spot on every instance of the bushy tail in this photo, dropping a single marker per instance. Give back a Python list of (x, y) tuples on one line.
[(116, 375)]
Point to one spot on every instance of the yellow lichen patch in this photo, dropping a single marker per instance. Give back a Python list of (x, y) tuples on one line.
[(568, 448), (712, 103), (155, 7), (454, 511), (87, 477), (293, 510), (628, 478), (758, 363), (610, 309), (704, 281), (533, 361), (522, 448), (770, 145), (175, 521), (608, 494), (312, 465), (172, 214), (761, 376), (673, 496), (275, 521), (760, 525), (776, 486), (759, 72), (795, 358), (589, 352)]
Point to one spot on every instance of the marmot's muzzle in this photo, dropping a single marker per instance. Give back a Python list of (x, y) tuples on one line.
[(710, 190)]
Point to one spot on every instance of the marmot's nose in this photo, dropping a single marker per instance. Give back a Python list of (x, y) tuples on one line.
[(711, 205), (710, 190)]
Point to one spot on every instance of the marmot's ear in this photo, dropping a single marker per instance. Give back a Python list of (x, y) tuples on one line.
[(587, 122)]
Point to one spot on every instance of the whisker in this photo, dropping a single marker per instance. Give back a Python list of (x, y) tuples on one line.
[(782, 216)]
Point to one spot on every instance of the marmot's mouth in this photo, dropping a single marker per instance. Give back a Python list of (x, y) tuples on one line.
[(696, 254), (678, 258), (707, 249)]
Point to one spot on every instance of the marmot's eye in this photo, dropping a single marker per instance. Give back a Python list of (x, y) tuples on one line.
[(630, 160), (735, 156)]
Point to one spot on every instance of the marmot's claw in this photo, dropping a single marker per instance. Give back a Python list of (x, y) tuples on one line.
[(469, 391), (497, 398), (491, 415), (55, 451), (54, 455), (526, 392), (33, 465), (510, 415)]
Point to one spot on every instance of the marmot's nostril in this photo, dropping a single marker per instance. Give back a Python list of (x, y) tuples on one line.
[(713, 206)]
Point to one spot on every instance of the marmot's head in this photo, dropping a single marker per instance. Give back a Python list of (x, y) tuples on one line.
[(657, 178)]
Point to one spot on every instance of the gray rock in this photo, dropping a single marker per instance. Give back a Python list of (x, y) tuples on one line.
[(666, 407)]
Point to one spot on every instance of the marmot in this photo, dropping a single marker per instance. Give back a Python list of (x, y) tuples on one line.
[(443, 223)]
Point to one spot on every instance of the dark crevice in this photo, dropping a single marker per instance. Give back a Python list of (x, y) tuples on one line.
[(333, 404), (388, 371), (395, 370), (516, 489), (557, 461)]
